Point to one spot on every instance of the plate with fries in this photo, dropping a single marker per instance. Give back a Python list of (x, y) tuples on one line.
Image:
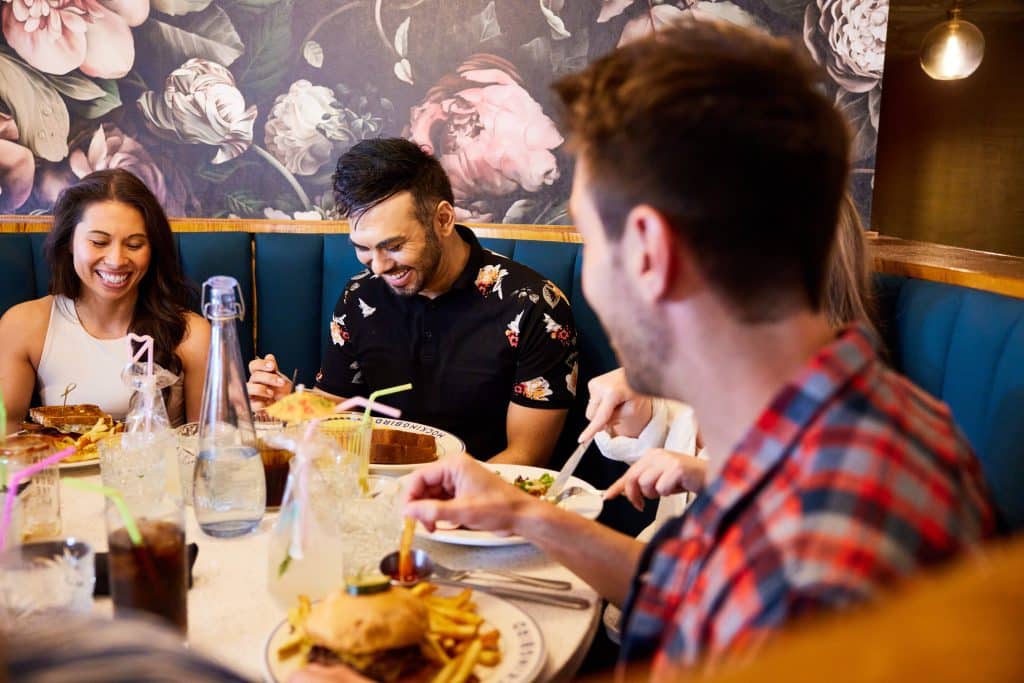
[(472, 636), (533, 480)]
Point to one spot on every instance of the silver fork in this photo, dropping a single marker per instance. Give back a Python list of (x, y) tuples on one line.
[(571, 491), (500, 575)]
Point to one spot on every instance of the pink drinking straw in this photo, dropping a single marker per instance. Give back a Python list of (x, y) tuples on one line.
[(299, 523), (146, 348), (360, 402), (12, 488)]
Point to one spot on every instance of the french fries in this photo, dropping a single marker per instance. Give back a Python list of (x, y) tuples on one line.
[(456, 639), (85, 446), (296, 642)]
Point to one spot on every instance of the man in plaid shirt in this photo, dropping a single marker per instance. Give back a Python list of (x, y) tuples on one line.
[(708, 177)]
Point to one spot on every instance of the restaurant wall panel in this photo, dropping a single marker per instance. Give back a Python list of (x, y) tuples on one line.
[(241, 107), (951, 153)]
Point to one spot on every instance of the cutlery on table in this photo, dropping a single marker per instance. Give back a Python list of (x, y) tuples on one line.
[(567, 469), (424, 569), (444, 572)]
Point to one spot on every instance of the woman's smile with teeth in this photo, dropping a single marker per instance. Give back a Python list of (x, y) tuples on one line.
[(112, 278)]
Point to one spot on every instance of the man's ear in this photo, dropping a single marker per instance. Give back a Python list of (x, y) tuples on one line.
[(444, 218), (650, 247)]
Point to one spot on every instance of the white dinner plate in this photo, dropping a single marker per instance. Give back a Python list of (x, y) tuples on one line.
[(521, 643), (587, 504), (447, 443)]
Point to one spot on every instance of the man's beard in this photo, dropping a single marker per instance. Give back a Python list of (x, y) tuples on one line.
[(426, 268), (641, 342)]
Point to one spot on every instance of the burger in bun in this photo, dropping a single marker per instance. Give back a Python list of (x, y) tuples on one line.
[(378, 635)]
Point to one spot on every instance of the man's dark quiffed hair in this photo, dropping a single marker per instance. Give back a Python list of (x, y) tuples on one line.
[(724, 131), (376, 170)]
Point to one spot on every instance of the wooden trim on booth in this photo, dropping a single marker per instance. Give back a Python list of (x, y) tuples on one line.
[(986, 271), (983, 270)]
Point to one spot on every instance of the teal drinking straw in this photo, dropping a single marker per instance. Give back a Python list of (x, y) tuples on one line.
[(118, 500)]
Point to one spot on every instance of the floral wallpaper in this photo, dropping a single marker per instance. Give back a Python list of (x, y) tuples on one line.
[(241, 107)]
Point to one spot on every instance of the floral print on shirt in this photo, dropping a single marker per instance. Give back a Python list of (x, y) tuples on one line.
[(536, 389), (552, 294), (366, 309), (512, 331), (573, 376), (557, 330), (339, 335), (489, 280)]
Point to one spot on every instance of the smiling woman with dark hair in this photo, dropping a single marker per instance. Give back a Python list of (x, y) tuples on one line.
[(114, 270)]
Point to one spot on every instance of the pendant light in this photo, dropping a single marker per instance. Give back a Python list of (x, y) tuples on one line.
[(953, 49)]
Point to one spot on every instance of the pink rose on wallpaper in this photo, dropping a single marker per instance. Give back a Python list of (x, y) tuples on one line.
[(492, 137), (109, 147), (58, 36), (17, 167)]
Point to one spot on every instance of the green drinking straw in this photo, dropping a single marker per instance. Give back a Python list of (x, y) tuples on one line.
[(118, 500), (367, 421), (382, 392)]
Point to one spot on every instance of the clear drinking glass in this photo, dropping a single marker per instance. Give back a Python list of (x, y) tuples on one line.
[(188, 449), (229, 494), (275, 456), (137, 464), (369, 525), (38, 503), (334, 535), (153, 576), (48, 576)]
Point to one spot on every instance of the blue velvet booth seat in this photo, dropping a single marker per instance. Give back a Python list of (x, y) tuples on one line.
[(964, 346)]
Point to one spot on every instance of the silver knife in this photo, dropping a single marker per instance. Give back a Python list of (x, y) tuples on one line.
[(567, 469), (553, 599)]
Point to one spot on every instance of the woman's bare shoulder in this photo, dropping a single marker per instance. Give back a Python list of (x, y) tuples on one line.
[(28, 315), (24, 325), (197, 335)]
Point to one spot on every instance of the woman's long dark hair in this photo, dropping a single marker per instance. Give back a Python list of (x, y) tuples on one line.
[(164, 293)]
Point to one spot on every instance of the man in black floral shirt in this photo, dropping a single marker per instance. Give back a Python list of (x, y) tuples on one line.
[(488, 344)]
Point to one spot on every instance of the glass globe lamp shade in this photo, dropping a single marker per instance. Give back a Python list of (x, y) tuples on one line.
[(953, 49)]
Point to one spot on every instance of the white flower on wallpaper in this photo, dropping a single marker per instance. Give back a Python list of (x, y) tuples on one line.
[(303, 127), (847, 37), (200, 103)]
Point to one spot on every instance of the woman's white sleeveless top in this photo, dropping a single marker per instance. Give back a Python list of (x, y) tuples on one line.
[(72, 355)]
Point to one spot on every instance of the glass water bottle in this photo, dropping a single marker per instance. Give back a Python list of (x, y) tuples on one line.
[(230, 492)]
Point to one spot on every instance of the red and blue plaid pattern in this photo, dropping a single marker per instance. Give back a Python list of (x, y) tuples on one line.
[(851, 479)]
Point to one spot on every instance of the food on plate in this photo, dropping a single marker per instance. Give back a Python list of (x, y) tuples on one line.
[(537, 486), (73, 419), (395, 634), (399, 447), (301, 406), (82, 426)]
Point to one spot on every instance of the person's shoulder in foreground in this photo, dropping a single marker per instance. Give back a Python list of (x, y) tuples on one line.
[(83, 649), (852, 479)]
